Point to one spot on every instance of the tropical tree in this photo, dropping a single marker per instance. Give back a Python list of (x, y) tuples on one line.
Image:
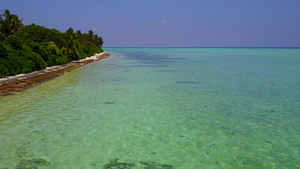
[(3, 51), (78, 34), (90, 35), (9, 25), (14, 42), (32, 47), (98, 41), (1, 16), (101, 42), (71, 48)]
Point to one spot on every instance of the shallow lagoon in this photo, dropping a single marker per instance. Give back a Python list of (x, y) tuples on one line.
[(165, 107)]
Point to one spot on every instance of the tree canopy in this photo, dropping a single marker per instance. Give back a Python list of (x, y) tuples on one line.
[(9, 25), (32, 47)]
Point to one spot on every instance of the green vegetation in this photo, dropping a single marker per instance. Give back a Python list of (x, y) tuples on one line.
[(24, 49)]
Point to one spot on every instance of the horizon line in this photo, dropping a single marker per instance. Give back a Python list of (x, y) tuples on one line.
[(200, 47)]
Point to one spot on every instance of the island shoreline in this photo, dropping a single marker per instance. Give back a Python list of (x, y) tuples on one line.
[(12, 84)]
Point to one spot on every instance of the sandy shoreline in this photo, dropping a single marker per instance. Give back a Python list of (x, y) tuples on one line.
[(23, 81)]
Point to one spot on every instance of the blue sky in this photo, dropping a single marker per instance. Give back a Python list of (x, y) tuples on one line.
[(170, 23)]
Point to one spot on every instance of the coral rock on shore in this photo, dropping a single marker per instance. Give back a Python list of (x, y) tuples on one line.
[(23, 81)]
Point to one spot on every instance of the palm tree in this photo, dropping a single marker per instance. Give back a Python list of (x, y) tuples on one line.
[(2, 36), (70, 36), (90, 35), (71, 48), (95, 39), (1, 16), (78, 34), (100, 40), (10, 24)]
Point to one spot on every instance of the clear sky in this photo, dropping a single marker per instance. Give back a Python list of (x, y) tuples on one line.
[(170, 23)]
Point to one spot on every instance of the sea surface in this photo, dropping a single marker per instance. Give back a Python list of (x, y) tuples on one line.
[(160, 108)]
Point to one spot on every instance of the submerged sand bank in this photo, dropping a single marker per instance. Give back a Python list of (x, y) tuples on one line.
[(23, 81)]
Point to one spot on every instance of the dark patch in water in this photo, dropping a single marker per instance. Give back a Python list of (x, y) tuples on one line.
[(115, 164), (163, 61), (31, 164), (187, 82), (166, 70), (269, 142), (150, 58), (228, 68), (109, 102), (143, 65)]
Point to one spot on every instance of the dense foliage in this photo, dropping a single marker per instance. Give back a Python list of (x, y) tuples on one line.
[(29, 48)]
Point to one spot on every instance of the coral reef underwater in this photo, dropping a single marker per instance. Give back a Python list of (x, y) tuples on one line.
[(115, 164), (31, 164)]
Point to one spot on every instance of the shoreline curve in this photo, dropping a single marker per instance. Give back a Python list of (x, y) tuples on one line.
[(12, 84)]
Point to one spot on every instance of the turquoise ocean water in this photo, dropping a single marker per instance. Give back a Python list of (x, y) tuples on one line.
[(180, 108)]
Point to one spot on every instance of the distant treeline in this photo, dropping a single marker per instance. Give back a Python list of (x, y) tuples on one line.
[(24, 49)]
